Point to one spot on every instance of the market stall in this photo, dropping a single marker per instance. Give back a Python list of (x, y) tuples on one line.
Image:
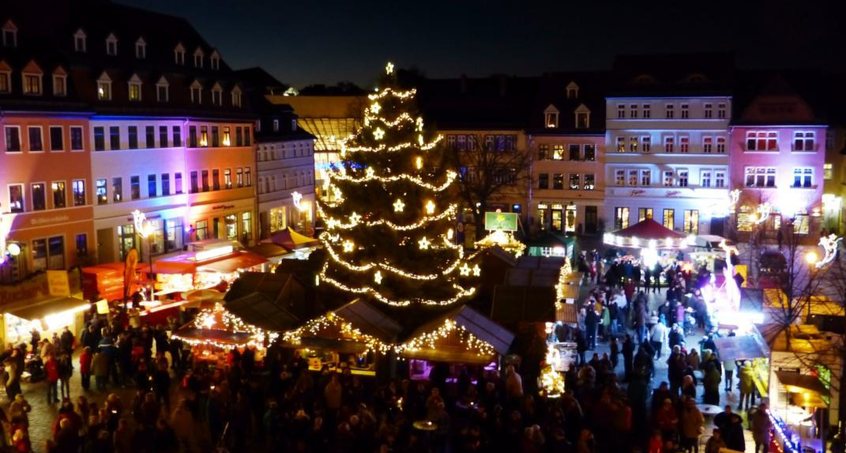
[(298, 246), (47, 316), (106, 281), (208, 264)]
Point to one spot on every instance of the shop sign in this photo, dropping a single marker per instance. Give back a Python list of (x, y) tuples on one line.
[(505, 221), (103, 307), (58, 283), (637, 192), (48, 220), (673, 193), (222, 206)]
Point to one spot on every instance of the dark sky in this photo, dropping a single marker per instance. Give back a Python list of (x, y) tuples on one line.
[(314, 41)]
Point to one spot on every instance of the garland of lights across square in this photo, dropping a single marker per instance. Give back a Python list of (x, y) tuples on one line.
[(389, 227)]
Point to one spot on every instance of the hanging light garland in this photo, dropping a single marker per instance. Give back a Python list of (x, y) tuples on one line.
[(218, 318), (371, 176), (354, 220)]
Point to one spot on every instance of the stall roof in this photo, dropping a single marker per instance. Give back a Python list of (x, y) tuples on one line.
[(802, 382), (263, 313), (804, 338), (218, 336), (543, 278), (648, 229), (743, 347), (48, 307), (234, 263), (268, 250), (186, 263), (474, 322), (369, 320), (540, 262), (291, 240), (276, 302), (513, 304)]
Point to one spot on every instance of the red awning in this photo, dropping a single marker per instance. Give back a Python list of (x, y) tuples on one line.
[(233, 263), (649, 229)]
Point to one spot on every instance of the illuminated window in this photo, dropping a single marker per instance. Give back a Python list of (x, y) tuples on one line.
[(551, 121), (691, 221), (643, 214), (590, 181), (669, 144), (760, 176), (575, 181), (558, 181), (633, 144), (101, 192), (558, 152), (135, 187), (621, 218), (621, 144), (247, 226), (632, 179), (721, 145), (685, 111), (620, 177), (762, 141), (669, 178), (707, 144), (227, 141), (645, 177), (117, 190), (590, 152), (104, 87), (705, 178), (803, 177), (671, 111), (60, 82), (828, 171), (227, 178), (683, 177), (134, 90), (709, 110), (16, 198), (646, 141), (745, 219), (684, 143), (670, 218), (204, 136), (60, 196), (801, 222), (803, 141)]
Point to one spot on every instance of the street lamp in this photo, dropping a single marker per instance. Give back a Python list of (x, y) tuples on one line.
[(811, 258)]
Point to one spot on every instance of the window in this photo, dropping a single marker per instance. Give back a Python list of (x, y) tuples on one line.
[(114, 138), (543, 151), (216, 179), (135, 187), (132, 135), (39, 254), (543, 181), (683, 177), (247, 225), (5, 83), (721, 110), (762, 141), (56, 251), (691, 221), (684, 143), (620, 177), (79, 195), (239, 139), (248, 177), (195, 185), (217, 95), (671, 111), (707, 144), (81, 244), (803, 177), (236, 101), (633, 111), (57, 139), (215, 136), (10, 34), (134, 91), (633, 144), (647, 111), (239, 177), (803, 141), (590, 152), (647, 143), (705, 178), (709, 110), (111, 45), (719, 179), (721, 145), (685, 111), (828, 171), (152, 187), (140, 49), (104, 87), (177, 136), (162, 90), (79, 41), (102, 194), (632, 179), (196, 93), (575, 152), (117, 190), (621, 144), (60, 196), (669, 144), (558, 181), (645, 177), (670, 218), (621, 110), (205, 180), (162, 136), (32, 84), (36, 142), (558, 152), (582, 120), (669, 178), (227, 178), (179, 54), (165, 184), (575, 181), (760, 176), (60, 85), (39, 196), (198, 58), (16, 198), (192, 136), (590, 181), (150, 136), (204, 136), (551, 121), (177, 183), (13, 139), (643, 214), (76, 138), (227, 141), (621, 218)]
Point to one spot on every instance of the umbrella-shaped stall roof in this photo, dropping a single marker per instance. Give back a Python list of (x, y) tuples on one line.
[(291, 240), (646, 233)]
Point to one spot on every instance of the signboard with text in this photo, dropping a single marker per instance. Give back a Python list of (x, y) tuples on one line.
[(505, 221), (58, 283)]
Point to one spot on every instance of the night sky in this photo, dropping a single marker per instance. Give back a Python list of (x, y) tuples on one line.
[(314, 41)]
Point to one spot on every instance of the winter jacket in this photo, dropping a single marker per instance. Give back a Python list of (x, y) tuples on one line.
[(85, 362), (100, 364), (51, 368), (692, 423)]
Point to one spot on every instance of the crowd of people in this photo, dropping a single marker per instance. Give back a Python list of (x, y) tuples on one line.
[(279, 405)]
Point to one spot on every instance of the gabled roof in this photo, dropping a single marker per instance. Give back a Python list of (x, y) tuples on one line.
[(365, 317), (552, 94), (474, 322)]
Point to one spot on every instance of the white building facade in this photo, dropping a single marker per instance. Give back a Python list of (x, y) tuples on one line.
[(286, 183)]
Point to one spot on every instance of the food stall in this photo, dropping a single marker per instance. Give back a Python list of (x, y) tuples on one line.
[(213, 263), (47, 316), (299, 247), (106, 281)]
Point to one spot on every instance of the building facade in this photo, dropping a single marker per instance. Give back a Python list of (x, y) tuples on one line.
[(667, 142)]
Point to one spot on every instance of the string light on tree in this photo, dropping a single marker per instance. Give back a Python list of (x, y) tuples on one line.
[(377, 277), (419, 162)]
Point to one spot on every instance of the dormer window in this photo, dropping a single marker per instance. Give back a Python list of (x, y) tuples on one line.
[(140, 49), (294, 125), (215, 61), (198, 58), (572, 90), (135, 88), (5, 78), (196, 93), (10, 34), (162, 90), (79, 41), (31, 76), (179, 54), (104, 87), (60, 82), (582, 117), (236, 97), (111, 45), (275, 125), (217, 94), (550, 117)]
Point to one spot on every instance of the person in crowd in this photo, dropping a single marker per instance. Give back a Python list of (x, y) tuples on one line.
[(692, 425), (51, 370), (658, 338), (716, 442), (85, 358), (761, 426)]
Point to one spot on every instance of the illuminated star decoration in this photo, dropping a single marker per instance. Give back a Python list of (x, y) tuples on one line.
[(354, 218), (419, 162), (465, 270), (430, 207), (377, 277), (763, 213), (424, 243), (375, 108), (378, 134), (829, 244), (399, 205), (477, 271), (389, 68), (370, 172), (348, 246)]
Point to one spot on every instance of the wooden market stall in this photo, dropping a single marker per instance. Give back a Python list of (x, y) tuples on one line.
[(207, 264)]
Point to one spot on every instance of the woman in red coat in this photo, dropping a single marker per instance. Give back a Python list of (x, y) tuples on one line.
[(51, 369), (85, 358)]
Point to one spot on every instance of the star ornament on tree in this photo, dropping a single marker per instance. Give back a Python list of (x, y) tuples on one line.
[(348, 246), (375, 108), (378, 134), (424, 243), (399, 206), (389, 69), (465, 270), (354, 218), (477, 271), (377, 277), (430, 207)]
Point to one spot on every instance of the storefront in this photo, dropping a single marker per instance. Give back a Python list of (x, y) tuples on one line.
[(210, 263)]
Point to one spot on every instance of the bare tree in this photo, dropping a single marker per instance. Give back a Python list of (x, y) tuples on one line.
[(490, 171)]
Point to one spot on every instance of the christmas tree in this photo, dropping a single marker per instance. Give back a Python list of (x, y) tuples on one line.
[(390, 217)]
